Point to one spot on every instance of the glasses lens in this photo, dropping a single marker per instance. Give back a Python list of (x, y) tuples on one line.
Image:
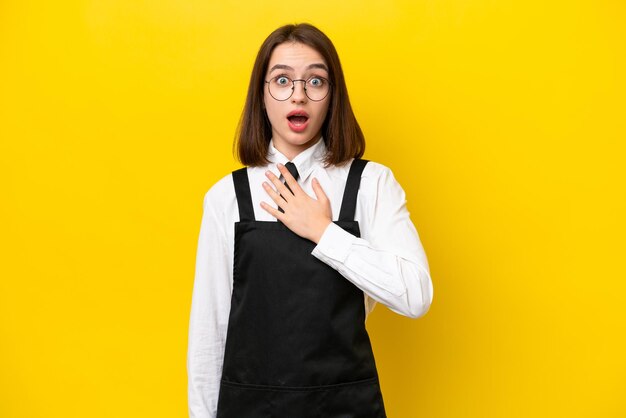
[(317, 88), (280, 87)]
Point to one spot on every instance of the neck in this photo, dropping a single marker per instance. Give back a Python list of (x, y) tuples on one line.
[(292, 150)]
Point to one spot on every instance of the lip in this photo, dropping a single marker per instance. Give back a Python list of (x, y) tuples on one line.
[(298, 113), (298, 128)]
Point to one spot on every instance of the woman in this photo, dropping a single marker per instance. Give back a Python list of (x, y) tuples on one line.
[(290, 262)]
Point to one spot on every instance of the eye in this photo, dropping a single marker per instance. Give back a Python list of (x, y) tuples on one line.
[(282, 80), (316, 81)]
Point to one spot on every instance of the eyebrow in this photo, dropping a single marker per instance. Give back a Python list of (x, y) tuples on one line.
[(286, 67)]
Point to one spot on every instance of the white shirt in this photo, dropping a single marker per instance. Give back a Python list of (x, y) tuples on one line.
[(387, 263)]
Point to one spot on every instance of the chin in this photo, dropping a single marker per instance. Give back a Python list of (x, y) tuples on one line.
[(301, 139), (305, 141)]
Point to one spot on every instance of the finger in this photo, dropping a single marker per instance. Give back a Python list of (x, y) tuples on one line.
[(272, 211), (277, 198), (319, 192), (280, 187), (291, 181)]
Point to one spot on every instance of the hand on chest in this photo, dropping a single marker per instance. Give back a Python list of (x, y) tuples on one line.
[(332, 186)]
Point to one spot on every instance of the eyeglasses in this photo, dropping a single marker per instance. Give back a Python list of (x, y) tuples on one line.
[(282, 87)]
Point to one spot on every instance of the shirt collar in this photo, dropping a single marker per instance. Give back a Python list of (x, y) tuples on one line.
[(305, 161)]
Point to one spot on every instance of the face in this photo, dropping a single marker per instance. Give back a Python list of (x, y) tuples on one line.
[(293, 134)]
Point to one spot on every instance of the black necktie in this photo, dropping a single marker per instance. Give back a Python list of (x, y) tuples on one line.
[(294, 172)]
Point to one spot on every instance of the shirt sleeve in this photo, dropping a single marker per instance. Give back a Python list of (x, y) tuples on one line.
[(389, 264), (210, 308)]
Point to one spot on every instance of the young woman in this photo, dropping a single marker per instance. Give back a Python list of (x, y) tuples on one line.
[(296, 248)]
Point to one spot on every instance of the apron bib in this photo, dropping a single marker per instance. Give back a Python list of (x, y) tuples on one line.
[(296, 344)]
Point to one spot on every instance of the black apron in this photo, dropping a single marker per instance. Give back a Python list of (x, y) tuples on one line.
[(296, 344)]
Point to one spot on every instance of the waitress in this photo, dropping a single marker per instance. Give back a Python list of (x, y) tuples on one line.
[(296, 248)]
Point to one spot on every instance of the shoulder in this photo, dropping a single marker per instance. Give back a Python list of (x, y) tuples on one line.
[(377, 175), (218, 197), (375, 169), (372, 169), (374, 173)]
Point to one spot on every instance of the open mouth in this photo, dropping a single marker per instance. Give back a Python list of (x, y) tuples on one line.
[(298, 120)]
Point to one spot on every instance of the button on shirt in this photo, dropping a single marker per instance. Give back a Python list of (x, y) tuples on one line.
[(387, 262)]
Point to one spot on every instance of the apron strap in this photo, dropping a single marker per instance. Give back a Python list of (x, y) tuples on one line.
[(348, 204), (242, 191)]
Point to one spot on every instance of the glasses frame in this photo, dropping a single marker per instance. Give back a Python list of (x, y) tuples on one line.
[(293, 87)]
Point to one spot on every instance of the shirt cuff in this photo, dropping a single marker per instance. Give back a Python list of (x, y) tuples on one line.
[(334, 244)]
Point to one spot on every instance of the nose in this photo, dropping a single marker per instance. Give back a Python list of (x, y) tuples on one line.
[(299, 94)]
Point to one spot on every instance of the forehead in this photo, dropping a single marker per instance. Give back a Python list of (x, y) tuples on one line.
[(296, 55)]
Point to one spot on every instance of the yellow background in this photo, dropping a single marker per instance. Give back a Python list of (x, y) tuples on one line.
[(503, 120)]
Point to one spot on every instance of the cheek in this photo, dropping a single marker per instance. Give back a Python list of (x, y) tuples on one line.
[(323, 112), (271, 110)]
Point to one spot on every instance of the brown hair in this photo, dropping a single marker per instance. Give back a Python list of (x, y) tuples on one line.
[(340, 130)]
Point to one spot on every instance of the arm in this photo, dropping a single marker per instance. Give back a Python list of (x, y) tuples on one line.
[(388, 263), (210, 308)]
